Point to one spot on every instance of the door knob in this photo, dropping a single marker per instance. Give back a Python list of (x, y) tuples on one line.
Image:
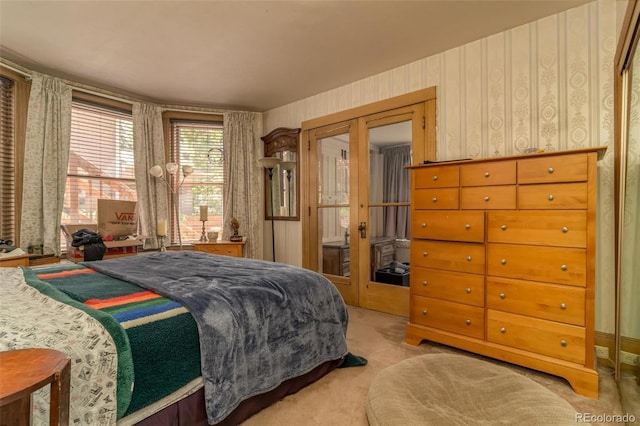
[(363, 229)]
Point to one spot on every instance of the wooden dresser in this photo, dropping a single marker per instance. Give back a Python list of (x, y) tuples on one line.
[(225, 248), (503, 260)]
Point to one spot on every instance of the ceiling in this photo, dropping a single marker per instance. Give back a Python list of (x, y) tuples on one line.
[(245, 55)]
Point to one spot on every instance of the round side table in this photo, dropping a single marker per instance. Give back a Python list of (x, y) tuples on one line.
[(26, 370)]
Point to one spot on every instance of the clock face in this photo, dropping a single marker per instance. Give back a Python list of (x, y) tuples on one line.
[(215, 155)]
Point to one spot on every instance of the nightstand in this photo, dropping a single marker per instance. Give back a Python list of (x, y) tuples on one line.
[(335, 259), (23, 371), (225, 248), (10, 262)]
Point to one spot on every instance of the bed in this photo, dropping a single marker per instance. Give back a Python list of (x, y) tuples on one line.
[(177, 337)]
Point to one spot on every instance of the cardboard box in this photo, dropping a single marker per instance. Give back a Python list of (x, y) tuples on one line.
[(117, 218), (114, 248)]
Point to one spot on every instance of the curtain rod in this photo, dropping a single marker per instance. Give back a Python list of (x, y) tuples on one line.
[(18, 70), (79, 88), (165, 107)]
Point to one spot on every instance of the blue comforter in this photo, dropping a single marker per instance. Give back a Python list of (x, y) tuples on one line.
[(260, 323)]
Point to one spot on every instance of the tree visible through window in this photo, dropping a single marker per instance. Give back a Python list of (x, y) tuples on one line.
[(100, 161), (198, 144)]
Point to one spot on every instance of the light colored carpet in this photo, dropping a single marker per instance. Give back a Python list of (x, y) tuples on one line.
[(457, 390), (340, 397)]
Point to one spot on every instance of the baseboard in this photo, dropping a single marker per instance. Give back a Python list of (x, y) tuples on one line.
[(627, 344)]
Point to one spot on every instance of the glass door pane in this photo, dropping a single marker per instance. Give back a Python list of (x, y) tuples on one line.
[(333, 205), (389, 203)]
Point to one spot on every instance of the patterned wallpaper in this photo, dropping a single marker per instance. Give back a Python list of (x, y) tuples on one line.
[(547, 84)]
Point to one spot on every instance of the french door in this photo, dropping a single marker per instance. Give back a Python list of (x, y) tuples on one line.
[(358, 199), (385, 151), (332, 184)]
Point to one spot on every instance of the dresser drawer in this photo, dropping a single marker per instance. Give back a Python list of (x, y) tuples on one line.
[(488, 197), (547, 301), (463, 257), (569, 196), (434, 199), (564, 168), (225, 249), (449, 316), (446, 285), (437, 177), (538, 263), (535, 227), (544, 337), (489, 173), (450, 225)]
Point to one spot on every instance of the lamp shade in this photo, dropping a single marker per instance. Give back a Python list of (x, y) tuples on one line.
[(156, 171), (288, 165), (172, 168), (187, 170), (269, 162)]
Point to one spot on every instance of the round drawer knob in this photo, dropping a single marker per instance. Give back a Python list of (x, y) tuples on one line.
[(423, 225), (467, 226), (425, 282), (424, 312), (503, 227), (563, 306), (486, 198), (468, 290), (486, 174), (425, 254), (503, 330), (550, 170), (503, 261), (564, 267), (468, 258), (563, 343), (435, 177), (565, 229), (434, 199), (468, 322), (502, 296), (550, 197)]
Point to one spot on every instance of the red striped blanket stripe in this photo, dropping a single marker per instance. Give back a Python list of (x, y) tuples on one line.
[(121, 300)]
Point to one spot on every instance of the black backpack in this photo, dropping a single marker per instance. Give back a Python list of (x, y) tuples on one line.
[(94, 248)]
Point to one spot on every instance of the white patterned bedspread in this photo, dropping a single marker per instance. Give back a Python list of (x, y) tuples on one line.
[(29, 319)]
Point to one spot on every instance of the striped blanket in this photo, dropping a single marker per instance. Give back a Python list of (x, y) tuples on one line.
[(261, 323), (162, 333)]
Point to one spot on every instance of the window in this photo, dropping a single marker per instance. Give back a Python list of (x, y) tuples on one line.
[(100, 160), (14, 98), (197, 143), (7, 161)]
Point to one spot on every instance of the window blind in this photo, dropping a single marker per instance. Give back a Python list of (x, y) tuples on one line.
[(7, 161), (198, 144), (100, 160)]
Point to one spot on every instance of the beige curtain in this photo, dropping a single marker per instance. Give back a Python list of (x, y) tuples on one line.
[(46, 158), (243, 179), (148, 150)]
